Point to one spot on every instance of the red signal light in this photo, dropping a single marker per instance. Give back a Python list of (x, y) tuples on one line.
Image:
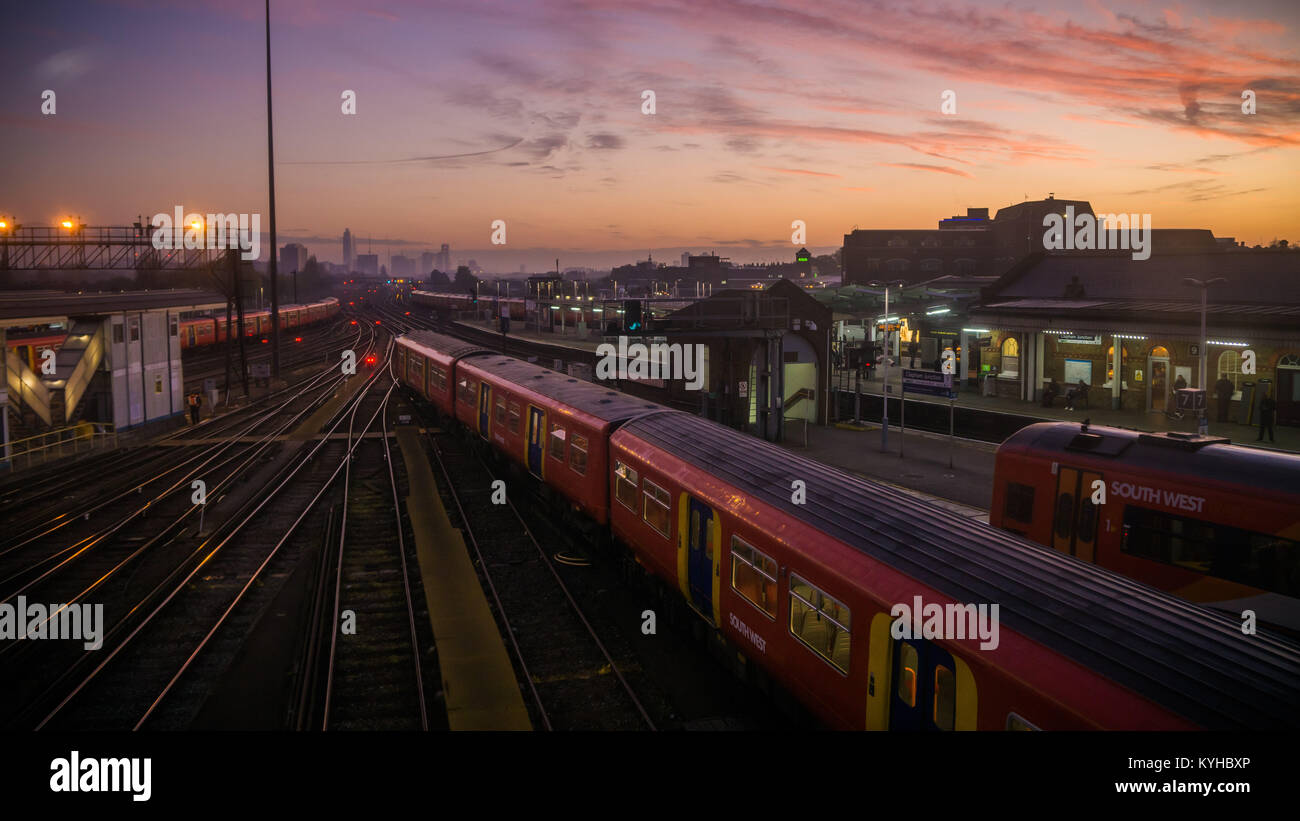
[(354, 322), (377, 322), (297, 339), (264, 340)]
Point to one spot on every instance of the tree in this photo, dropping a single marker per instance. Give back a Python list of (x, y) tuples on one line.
[(439, 281), (465, 280)]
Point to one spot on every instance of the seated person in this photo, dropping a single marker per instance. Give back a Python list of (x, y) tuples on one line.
[(1050, 393)]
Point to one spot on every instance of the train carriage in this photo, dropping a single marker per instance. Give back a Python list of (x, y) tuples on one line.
[(1206, 520), (808, 591), (425, 361), (555, 426)]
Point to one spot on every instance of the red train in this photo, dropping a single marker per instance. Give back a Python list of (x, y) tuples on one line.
[(1198, 517), (196, 333), (816, 592)]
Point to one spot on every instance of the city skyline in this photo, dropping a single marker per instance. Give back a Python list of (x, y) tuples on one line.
[(826, 116)]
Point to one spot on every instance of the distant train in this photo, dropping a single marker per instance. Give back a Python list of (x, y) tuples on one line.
[(562, 311), (464, 302), (194, 333), (810, 574), (1198, 517)]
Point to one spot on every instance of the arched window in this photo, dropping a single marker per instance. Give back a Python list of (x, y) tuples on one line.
[(1160, 351), (1230, 367), (965, 266), (898, 265), (1010, 356), (931, 264), (1289, 361), (898, 242)]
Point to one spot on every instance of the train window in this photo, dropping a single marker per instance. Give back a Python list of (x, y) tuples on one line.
[(908, 661), (1064, 514), (1087, 520), (514, 417), (1015, 722), (820, 622), (753, 575), (557, 442), (501, 411), (578, 453), (945, 698), (437, 377), (625, 486), (657, 509), (1019, 503), (1260, 560), (465, 392), (117, 332)]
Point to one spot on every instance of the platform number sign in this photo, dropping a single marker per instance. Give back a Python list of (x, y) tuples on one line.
[(948, 362)]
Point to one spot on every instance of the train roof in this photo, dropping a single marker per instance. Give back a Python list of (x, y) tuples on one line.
[(1209, 457), (591, 398), (1195, 662), (431, 343)]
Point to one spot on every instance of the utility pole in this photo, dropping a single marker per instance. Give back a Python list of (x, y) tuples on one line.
[(1203, 420), (270, 171)]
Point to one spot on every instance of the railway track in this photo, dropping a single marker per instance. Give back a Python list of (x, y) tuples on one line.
[(571, 679), (129, 561)]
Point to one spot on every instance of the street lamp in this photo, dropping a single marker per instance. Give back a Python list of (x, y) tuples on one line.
[(884, 362), (1203, 422)]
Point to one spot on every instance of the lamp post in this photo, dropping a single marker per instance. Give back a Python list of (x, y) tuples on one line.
[(884, 363), (1203, 421)]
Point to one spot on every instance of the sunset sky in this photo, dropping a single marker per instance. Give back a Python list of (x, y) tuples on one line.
[(531, 112)]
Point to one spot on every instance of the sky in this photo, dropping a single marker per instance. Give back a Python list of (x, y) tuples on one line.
[(828, 112)]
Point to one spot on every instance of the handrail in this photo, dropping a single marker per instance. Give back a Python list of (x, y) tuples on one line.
[(55, 444)]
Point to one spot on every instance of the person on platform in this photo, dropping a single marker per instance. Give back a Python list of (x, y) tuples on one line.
[(195, 400), (1050, 393), (1267, 408), (1180, 383), (1076, 393), (1223, 390)]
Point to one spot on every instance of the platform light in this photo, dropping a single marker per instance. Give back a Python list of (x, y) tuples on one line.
[(3, 225), (1127, 336), (66, 223), (1227, 344), (937, 311), (976, 331), (1059, 333)]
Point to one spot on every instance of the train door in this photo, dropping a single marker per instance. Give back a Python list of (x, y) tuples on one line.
[(189, 333), (1074, 518), (700, 549), (484, 408), (923, 692), (536, 424), (1158, 380)]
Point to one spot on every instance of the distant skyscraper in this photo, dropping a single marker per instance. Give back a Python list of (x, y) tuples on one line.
[(426, 263), (368, 264), (400, 265), (293, 257), (686, 258), (443, 260), (349, 253)]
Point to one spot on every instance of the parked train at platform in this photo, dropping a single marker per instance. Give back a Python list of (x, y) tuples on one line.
[(444, 301), (1212, 522), (804, 569)]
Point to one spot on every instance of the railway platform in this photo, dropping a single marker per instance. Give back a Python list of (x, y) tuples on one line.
[(479, 685), (1286, 438)]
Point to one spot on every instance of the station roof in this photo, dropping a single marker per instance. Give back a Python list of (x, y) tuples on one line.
[(32, 307)]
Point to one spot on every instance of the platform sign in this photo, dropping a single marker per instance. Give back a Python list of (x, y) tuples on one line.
[(261, 370), (1190, 399), (931, 383)]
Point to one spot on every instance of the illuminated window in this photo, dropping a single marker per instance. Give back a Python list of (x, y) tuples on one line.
[(1110, 361), (753, 575), (1160, 351), (945, 698), (557, 442), (907, 664), (1010, 356), (820, 622), (625, 485), (514, 418), (578, 453), (657, 507), (1230, 368)]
